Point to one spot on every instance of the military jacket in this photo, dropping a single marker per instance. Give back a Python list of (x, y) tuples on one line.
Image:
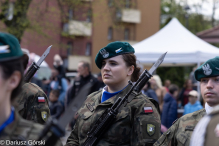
[(32, 103), (179, 134), (133, 125), (22, 132)]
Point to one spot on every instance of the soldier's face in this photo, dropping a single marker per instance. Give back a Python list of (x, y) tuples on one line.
[(115, 73), (210, 90)]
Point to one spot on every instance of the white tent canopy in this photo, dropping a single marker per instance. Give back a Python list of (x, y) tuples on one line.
[(182, 47)]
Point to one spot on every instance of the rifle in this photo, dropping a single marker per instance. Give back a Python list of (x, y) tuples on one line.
[(35, 66), (57, 126), (108, 117)]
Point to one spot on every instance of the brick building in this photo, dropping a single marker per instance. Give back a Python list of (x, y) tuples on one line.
[(88, 26)]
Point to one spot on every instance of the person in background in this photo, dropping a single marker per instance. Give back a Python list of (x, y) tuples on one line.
[(167, 83), (58, 64), (169, 114), (56, 107), (192, 78), (55, 84), (184, 94), (194, 104), (149, 92), (156, 85), (84, 77), (101, 83)]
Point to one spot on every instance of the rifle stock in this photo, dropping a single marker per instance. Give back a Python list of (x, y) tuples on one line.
[(30, 72)]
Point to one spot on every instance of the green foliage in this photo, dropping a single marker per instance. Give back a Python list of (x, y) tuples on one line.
[(20, 22), (174, 74), (196, 23)]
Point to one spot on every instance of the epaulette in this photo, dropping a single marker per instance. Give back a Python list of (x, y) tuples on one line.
[(175, 121), (198, 112)]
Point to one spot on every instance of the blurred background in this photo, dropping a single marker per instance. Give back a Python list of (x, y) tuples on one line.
[(187, 29)]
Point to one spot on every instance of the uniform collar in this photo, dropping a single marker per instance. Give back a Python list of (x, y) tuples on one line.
[(115, 97), (8, 121), (208, 108), (8, 130)]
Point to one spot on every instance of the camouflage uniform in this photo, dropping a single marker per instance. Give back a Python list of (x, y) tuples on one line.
[(22, 130), (179, 134), (28, 105), (206, 132), (132, 126)]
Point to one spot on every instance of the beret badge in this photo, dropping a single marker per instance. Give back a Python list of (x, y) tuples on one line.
[(104, 53), (207, 70)]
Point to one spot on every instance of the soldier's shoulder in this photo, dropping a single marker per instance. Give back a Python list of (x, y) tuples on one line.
[(28, 129), (142, 98), (193, 116), (94, 94), (31, 88)]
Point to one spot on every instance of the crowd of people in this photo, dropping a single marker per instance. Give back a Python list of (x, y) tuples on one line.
[(139, 120)]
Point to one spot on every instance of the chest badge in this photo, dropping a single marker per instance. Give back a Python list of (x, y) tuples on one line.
[(90, 107), (44, 115), (150, 129)]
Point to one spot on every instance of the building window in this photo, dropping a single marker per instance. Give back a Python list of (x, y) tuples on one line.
[(88, 49), (10, 11), (110, 3), (126, 34), (118, 14), (65, 27), (127, 3), (89, 15), (69, 48), (110, 33), (70, 14)]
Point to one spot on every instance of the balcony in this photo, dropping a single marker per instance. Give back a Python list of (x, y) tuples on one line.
[(78, 28), (73, 61), (128, 15)]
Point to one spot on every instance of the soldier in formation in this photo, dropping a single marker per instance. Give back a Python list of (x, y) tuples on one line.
[(179, 134), (13, 128), (138, 123)]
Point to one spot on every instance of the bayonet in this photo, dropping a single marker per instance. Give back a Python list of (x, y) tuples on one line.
[(35, 66)]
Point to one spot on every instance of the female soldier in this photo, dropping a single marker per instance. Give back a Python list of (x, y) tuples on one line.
[(138, 123), (13, 129)]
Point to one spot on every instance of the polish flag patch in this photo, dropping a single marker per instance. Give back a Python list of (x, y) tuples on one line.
[(41, 99), (148, 110)]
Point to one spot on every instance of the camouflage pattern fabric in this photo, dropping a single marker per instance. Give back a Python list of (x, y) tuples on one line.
[(29, 106), (21, 130), (132, 125), (179, 134)]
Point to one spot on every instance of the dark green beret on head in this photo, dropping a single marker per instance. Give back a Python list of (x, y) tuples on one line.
[(111, 50), (9, 47), (209, 69)]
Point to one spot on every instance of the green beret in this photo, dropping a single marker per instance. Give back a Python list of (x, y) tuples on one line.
[(111, 50), (209, 69), (9, 47)]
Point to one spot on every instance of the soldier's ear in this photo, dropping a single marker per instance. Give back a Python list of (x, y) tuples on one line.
[(14, 80)]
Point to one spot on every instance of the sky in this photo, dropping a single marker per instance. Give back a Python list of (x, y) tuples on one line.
[(205, 6)]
